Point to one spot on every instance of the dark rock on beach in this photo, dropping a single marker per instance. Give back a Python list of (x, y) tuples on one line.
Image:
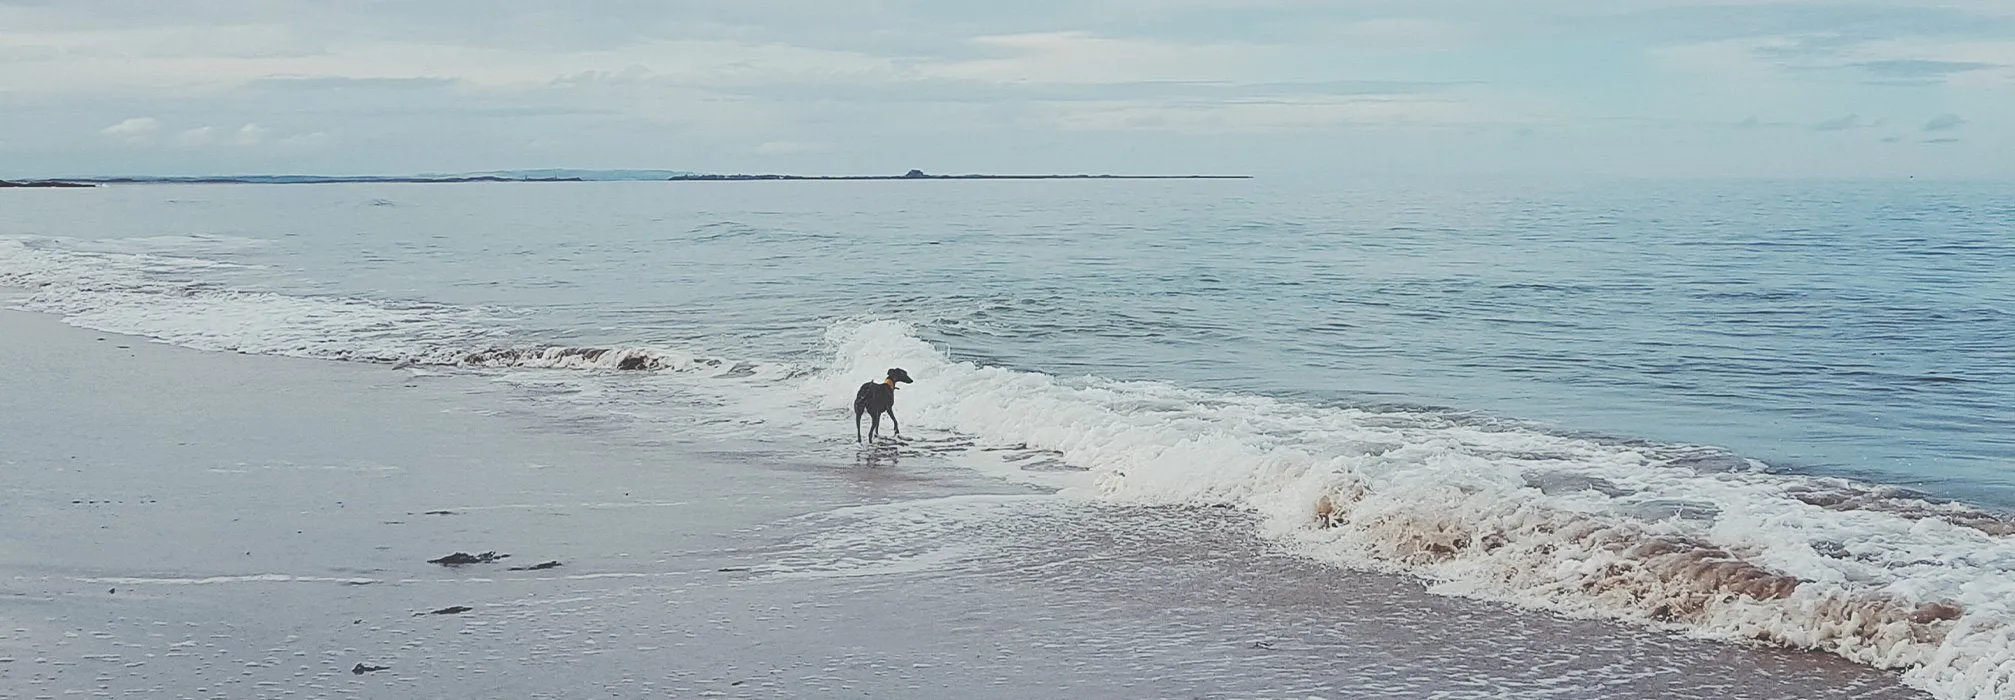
[(541, 566), (460, 558), (361, 669)]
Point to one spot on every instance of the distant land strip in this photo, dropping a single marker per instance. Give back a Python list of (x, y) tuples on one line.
[(43, 183), (557, 176)]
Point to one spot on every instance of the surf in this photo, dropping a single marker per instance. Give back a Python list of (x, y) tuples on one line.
[(1689, 538), (1682, 537)]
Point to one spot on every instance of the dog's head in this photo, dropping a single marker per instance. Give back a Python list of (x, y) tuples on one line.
[(896, 374)]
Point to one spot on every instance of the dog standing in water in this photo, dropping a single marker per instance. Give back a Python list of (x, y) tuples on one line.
[(877, 398)]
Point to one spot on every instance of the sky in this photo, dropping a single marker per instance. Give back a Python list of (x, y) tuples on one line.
[(1363, 88)]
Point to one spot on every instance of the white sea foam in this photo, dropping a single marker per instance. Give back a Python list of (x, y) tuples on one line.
[(169, 298), (185, 245), (1626, 531), (902, 537), (212, 580), (129, 286)]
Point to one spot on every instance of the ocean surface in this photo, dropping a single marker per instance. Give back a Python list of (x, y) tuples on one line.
[(1743, 410)]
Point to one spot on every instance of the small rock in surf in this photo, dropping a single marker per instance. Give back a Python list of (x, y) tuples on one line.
[(460, 558)]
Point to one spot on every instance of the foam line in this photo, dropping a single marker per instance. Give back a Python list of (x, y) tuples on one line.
[(1622, 531)]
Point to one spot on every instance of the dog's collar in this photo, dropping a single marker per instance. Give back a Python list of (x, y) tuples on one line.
[(890, 382)]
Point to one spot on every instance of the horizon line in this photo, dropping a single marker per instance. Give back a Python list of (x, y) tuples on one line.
[(574, 175)]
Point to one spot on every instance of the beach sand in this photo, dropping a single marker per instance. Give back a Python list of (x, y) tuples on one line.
[(176, 523)]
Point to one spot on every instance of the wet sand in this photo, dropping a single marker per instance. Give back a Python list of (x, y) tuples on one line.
[(188, 524)]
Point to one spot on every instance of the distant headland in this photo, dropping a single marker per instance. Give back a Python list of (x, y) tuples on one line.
[(556, 175), (42, 183)]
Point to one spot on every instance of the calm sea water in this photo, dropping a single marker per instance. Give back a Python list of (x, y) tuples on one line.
[(1779, 411)]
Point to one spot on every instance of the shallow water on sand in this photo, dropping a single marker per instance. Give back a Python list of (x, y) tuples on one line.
[(216, 537)]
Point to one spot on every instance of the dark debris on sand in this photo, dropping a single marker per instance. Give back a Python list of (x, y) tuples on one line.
[(460, 558), (361, 669), (450, 610), (541, 566)]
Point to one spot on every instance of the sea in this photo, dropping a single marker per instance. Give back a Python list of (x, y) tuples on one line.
[(1777, 413)]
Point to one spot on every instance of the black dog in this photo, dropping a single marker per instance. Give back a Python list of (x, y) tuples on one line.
[(875, 399)]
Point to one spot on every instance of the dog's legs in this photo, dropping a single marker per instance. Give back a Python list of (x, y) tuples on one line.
[(893, 425), (857, 425), (874, 425)]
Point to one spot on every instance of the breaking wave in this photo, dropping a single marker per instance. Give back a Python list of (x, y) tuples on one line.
[(1682, 537), (147, 287)]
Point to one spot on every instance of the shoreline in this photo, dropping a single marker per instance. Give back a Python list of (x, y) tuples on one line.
[(285, 542)]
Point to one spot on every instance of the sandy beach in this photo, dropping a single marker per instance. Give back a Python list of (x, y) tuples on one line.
[(188, 524)]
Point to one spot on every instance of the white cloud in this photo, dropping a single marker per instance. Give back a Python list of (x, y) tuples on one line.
[(110, 61), (1404, 33), (249, 135), (134, 130), (197, 137), (1944, 122), (1995, 59), (1803, 59), (775, 148), (836, 83), (144, 130), (306, 141), (1731, 59), (1076, 57), (1257, 116), (1847, 122)]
